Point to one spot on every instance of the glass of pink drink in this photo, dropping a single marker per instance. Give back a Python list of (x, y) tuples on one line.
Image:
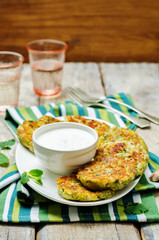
[(10, 73), (47, 58)]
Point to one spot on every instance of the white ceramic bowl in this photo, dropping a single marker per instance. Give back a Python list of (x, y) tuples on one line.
[(63, 147)]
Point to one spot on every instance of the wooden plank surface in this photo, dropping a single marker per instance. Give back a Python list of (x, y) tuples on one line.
[(116, 77), (89, 231), (150, 231), (95, 30), (15, 232)]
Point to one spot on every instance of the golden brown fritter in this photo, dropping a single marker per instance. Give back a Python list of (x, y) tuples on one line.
[(70, 188), (121, 157), (25, 130), (99, 126), (113, 172)]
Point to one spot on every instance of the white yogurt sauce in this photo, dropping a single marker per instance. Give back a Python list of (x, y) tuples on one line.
[(66, 139)]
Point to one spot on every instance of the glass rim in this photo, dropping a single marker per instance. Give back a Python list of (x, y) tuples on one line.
[(65, 46), (8, 65)]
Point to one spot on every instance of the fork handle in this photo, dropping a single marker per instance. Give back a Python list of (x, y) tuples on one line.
[(143, 114), (142, 123)]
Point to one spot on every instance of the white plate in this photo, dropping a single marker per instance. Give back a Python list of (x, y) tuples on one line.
[(26, 161)]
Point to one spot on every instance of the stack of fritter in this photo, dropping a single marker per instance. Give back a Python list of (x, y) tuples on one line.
[(121, 157)]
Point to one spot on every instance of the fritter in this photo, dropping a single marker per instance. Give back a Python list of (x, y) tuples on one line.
[(99, 126), (25, 130), (113, 172), (116, 134), (119, 160), (46, 120), (70, 188)]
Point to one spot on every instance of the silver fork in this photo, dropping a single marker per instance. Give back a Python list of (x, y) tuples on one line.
[(90, 99), (142, 123)]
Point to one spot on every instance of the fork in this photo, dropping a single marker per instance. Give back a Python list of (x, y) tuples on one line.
[(142, 123), (89, 99)]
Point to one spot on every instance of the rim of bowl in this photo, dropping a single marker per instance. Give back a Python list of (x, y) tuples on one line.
[(80, 126), (64, 48)]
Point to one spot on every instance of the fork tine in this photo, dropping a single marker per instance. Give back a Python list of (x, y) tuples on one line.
[(90, 99), (141, 123), (80, 93), (77, 93), (71, 94), (83, 95)]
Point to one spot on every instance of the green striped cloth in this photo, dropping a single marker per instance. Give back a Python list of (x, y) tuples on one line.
[(19, 203)]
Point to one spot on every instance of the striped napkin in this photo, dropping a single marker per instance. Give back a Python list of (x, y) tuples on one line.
[(19, 203)]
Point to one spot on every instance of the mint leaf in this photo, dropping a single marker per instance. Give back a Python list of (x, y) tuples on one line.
[(4, 161), (134, 208), (39, 182), (24, 178), (34, 174), (7, 144)]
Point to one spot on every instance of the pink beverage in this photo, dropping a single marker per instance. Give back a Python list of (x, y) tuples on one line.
[(47, 77), (47, 57), (9, 88), (10, 72)]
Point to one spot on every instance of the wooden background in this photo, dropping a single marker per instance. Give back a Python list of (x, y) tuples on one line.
[(95, 30)]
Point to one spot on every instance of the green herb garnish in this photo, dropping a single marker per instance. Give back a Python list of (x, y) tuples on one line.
[(24, 178), (134, 208), (34, 174), (6, 145), (4, 161)]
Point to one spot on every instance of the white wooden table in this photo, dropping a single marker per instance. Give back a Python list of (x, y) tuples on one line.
[(142, 82)]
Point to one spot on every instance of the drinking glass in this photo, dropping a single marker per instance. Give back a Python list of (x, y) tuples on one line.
[(10, 73), (47, 58)]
